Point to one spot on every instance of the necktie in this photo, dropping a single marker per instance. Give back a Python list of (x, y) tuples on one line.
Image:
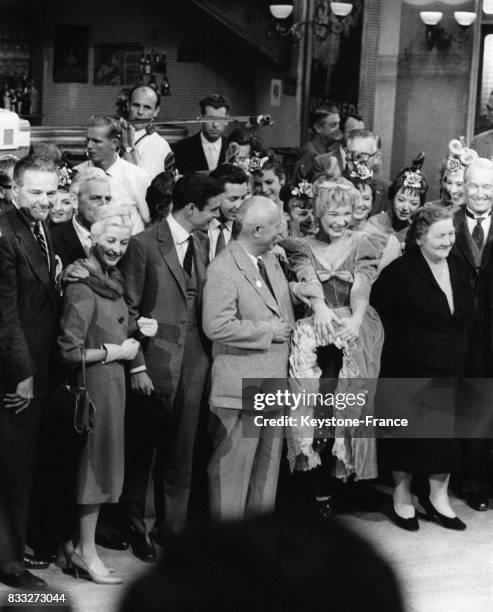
[(40, 239), (188, 260), (221, 241), (478, 233), (263, 274)]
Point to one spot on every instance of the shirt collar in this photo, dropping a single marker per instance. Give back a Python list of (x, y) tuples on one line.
[(114, 166), (80, 229), (179, 233), (472, 215), (206, 143), (215, 223)]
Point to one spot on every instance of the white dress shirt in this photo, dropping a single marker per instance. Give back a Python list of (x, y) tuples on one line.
[(180, 238), (214, 231), (485, 223), (212, 151), (129, 185), (152, 151), (83, 234)]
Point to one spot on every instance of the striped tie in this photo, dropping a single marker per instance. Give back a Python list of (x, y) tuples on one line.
[(40, 239)]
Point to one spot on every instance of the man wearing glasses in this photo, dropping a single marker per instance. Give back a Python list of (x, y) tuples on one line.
[(483, 143), (363, 147), (474, 238)]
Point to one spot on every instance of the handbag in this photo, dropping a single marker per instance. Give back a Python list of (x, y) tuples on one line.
[(84, 411)]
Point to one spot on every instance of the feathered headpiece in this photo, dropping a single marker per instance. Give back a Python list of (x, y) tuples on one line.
[(460, 156)]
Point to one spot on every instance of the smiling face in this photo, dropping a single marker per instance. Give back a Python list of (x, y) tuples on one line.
[(268, 184), (268, 232), (63, 207), (111, 244), (479, 189), (231, 199), (200, 219), (438, 241), (362, 209), (454, 190), (334, 221), (406, 202), (302, 219), (36, 193)]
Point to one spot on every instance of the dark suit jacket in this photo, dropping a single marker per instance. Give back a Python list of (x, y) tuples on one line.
[(66, 243), (479, 353), (422, 337), (190, 156), (29, 305), (155, 288)]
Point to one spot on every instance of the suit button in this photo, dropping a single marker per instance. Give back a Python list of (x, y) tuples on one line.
[(121, 320), (183, 321)]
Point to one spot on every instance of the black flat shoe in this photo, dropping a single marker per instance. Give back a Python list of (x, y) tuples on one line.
[(478, 500), (36, 562), (432, 514), (142, 547), (409, 524), (23, 580)]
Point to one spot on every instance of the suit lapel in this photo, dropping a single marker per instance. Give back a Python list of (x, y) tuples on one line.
[(201, 158), (485, 257), (166, 246), (253, 277), (461, 242)]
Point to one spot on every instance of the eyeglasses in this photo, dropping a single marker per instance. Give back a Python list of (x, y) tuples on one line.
[(360, 156)]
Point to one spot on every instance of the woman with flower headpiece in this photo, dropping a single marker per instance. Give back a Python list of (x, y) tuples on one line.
[(298, 205), (452, 183), (407, 193), (341, 339), (359, 175), (65, 203)]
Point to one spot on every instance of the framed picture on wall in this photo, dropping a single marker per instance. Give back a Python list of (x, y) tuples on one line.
[(70, 54), (117, 64)]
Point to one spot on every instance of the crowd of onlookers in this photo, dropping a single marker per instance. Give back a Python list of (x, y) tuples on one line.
[(139, 288)]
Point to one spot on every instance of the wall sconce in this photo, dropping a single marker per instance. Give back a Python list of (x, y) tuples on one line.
[(321, 28), (437, 37)]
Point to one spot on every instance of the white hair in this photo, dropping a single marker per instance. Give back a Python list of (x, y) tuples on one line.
[(480, 163), (85, 176), (112, 215)]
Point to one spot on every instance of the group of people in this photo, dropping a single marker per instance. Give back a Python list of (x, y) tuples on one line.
[(156, 279)]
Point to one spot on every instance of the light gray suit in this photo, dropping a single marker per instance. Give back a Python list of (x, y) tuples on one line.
[(238, 314)]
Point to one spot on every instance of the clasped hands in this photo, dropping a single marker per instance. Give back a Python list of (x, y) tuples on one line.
[(325, 320)]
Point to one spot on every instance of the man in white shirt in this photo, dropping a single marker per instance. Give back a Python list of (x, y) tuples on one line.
[(236, 189), (128, 182), (143, 146), (206, 149)]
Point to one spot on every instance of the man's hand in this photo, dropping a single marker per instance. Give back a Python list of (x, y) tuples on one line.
[(74, 272), (323, 320), (141, 383), (128, 134), (307, 291), (23, 395), (281, 331)]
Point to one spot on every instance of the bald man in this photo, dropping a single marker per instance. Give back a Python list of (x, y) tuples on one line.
[(248, 315)]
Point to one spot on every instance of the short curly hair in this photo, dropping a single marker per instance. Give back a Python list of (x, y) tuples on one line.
[(424, 218), (333, 195)]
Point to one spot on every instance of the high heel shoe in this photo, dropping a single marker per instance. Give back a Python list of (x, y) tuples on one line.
[(77, 563), (432, 514), (409, 524)]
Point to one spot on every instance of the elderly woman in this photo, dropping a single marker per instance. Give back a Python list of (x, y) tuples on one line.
[(342, 336), (407, 193), (422, 299), (94, 322)]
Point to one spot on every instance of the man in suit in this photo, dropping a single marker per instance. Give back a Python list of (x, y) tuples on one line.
[(7, 164), (72, 239), (236, 189), (248, 315), (29, 304), (474, 238), (164, 276), (206, 149)]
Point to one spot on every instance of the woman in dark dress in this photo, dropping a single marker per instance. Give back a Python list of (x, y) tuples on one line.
[(423, 302)]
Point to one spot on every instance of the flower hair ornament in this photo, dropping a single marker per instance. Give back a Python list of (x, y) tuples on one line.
[(460, 156), (65, 177), (413, 179), (251, 164), (303, 190), (360, 171)]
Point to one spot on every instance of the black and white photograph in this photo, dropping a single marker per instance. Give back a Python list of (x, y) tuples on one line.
[(246, 305)]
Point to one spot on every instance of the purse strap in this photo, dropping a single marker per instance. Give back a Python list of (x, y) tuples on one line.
[(83, 361)]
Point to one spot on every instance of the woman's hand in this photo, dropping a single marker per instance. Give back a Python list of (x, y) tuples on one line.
[(350, 329), (323, 321)]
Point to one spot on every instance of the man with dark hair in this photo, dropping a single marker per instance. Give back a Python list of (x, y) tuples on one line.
[(29, 304), (363, 146), (325, 142), (164, 277), (7, 163), (352, 122), (159, 196), (235, 186), (206, 149), (142, 145), (128, 182)]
